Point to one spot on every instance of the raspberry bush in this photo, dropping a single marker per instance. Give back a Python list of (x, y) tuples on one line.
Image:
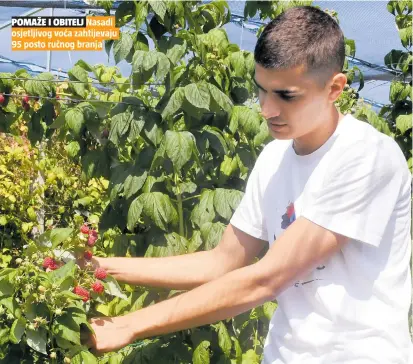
[(149, 164)]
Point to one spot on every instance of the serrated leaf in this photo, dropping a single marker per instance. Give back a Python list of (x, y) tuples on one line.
[(179, 146), (134, 213), (225, 201), (122, 47), (73, 148), (224, 340), (113, 288), (211, 234), (263, 134), (163, 66), (220, 98), (204, 211), (269, 309), (134, 181), (159, 7), (248, 120), (195, 242), (404, 123), (158, 207), (66, 328), (174, 103), (74, 120), (399, 91), (136, 125), (85, 357), (237, 62), (201, 353), (198, 95), (250, 357), (17, 330), (58, 235), (174, 48), (37, 340), (67, 270), (78, 73), (216, 139), (119, 126)]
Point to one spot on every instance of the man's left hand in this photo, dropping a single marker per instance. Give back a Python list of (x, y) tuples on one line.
[(111, 334)]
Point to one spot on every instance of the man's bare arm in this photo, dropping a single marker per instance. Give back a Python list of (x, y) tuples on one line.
[(184, 272)]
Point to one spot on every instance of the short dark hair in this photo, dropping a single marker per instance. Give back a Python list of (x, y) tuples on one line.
[(302, 35)]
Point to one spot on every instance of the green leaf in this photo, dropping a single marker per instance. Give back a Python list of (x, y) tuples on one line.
[(158, 207), (204, 211), (158, 7), (39, 85), (136, 125), (404, 123), (73, 149), (350, 47), (134, 181), (85, 357), (58, 235), (269, 309), (220, 98), (37, 340), (250, 357), (201, 353), (122, 47), (74, 120), (86, 66), (163, 66), (197, 95), (119, 126), (113, 288), (399, 91), (175, 245), (174, 48), (174, 103), (195, 242), (224, 340), (134, 213), (6, 287), (179, 147), (263, 134), (66, 328), (17, 330), (225, 201), (237, 62), (249, 121), (211, 234), (238, 350), (67, 270), (216, 139)]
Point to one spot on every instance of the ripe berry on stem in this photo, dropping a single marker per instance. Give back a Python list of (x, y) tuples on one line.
[(100, 273)]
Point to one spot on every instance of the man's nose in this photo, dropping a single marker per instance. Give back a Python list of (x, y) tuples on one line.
[(269, 108)]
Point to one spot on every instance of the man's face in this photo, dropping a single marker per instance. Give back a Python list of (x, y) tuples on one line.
[(292, 102)]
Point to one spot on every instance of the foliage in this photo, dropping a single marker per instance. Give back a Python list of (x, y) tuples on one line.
[(157, 160)]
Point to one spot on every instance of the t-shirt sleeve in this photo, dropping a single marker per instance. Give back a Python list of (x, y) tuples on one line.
[(359, 192), (249, 215)]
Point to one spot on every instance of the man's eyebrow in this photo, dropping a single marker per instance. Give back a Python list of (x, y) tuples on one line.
[(275, 91)]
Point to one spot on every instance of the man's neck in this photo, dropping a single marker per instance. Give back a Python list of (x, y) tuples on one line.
[(309, 143)]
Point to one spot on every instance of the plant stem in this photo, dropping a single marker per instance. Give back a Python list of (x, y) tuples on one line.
[(254, 154), (180, 209)]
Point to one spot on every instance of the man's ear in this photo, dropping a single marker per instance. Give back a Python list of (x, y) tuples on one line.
[(336, 87)]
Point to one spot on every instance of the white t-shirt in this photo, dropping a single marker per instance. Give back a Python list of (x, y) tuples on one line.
[(352, 309)]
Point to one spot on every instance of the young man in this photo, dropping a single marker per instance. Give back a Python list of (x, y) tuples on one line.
[(331, 195)]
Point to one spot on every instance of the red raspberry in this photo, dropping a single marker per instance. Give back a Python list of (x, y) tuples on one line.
[(88, 255), (26, 99), (57, 97), (26, 107), (100, 273), (53, 266), (2, 99), (98, 287), (93, 233), (84, 229), (48, 261), (82, 292), (91, 241)]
